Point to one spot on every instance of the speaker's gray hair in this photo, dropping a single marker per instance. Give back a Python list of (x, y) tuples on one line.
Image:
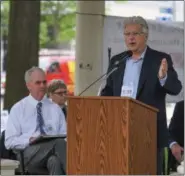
[(137, 20)]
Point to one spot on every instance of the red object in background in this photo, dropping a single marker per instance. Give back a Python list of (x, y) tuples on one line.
[(51, 76), (61, 71), (65, 69), (58, 71)]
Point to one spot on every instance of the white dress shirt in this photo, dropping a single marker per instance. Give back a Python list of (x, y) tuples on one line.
[(22, 122)]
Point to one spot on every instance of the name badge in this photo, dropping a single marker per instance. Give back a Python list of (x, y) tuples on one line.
[(127, 91)]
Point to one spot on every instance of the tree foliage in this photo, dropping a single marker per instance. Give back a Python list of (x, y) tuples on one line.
[(59, 18), (57, 21), (121, 2), (4, 17)]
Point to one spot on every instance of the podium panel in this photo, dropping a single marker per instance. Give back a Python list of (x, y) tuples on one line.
[(110, 136)]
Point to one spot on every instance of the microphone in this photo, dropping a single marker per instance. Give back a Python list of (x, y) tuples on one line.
[(125, 55), (109, 54)]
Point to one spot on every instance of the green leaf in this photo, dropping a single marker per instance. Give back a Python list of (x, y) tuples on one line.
[(58, 14), (120, 2)]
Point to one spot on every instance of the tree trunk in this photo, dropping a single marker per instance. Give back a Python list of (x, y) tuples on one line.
[(23, 47)]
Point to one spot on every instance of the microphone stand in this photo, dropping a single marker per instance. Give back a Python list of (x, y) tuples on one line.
[(106, 75), (92, 84)]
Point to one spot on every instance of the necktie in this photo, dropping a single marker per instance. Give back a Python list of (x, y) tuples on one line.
[(40, 120)]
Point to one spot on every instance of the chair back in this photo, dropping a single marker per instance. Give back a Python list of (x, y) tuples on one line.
[(4, 153)]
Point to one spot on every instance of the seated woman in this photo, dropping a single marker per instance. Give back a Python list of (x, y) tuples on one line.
[(57, 90)]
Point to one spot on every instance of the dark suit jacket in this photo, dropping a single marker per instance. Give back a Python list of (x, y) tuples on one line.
[(149, 89), (64, 109), (176, 127)]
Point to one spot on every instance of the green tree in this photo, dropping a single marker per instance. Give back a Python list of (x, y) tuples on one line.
[(57, 21), (121, 1), (59, 17), (4, 17)]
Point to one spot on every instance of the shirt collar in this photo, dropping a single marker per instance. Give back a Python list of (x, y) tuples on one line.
[(142, 54), (34, 102)]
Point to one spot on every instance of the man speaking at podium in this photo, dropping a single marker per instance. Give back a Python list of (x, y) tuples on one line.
[(148, 75)]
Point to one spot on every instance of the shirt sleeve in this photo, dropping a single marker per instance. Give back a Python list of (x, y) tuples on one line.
[(172, 143), (62, 122), (14, 139), (163, 80)]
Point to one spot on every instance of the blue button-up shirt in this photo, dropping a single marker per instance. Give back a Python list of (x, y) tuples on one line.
[(132, 73)]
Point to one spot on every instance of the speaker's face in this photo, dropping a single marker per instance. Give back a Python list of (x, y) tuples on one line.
[(135, 38)]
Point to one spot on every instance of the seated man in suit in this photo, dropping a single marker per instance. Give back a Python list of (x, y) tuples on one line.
[(33, 116), (176, 130), (57, 90)]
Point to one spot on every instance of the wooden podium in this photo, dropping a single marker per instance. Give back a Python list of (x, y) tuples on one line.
[(111, 136)]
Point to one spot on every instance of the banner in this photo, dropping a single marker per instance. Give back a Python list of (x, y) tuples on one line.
[(163, 36)]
